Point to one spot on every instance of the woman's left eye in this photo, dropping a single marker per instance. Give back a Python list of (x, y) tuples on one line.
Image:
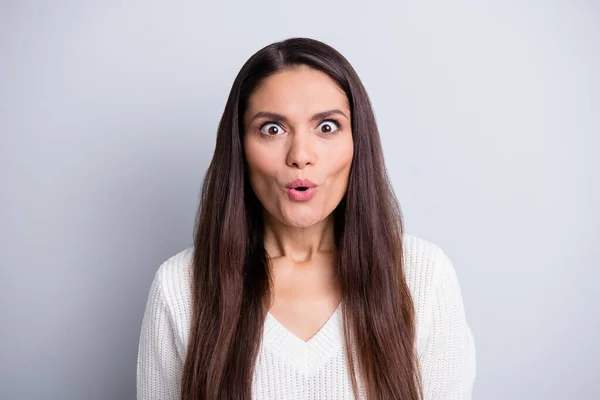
[(330, 125)]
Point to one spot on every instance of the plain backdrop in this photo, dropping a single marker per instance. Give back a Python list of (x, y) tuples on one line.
[(489, 116)]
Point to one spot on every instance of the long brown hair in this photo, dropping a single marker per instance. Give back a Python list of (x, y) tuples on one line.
[(231, 277)]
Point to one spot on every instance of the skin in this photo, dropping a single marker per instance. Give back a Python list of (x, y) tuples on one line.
[(299, 236)]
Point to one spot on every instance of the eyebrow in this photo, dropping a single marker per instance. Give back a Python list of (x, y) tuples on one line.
[(279, 117)]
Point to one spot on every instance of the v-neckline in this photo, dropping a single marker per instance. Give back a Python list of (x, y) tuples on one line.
[(325, 327), (307, 356)]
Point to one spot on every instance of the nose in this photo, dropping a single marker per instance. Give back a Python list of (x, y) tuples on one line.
[(301, 152)]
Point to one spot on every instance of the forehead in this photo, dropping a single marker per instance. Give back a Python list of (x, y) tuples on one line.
[(297, 90)]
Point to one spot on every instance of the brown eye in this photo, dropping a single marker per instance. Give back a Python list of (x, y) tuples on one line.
[(329, 126), (272, 129)]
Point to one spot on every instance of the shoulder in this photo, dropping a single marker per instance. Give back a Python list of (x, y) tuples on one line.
[(445, 343), (173, 280), (426, 266), (425, 263), (176, 270)]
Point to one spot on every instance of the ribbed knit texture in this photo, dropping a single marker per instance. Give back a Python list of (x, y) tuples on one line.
[(289, 368)]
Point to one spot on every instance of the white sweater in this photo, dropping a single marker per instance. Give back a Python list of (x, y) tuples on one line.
[(289, 368)]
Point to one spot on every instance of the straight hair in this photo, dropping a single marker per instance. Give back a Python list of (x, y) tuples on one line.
[(232, 283)]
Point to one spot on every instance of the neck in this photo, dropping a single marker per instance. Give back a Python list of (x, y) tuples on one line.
[(298, 244)]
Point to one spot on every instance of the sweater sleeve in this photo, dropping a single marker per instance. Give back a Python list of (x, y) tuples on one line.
[(159, 367), (448, 362)]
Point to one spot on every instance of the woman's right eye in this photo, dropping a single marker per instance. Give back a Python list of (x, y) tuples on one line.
[(273, 129)]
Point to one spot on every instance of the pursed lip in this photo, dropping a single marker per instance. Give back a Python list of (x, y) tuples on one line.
[(301, 183)]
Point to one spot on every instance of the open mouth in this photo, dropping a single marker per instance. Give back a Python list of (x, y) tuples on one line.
[(301, 193)]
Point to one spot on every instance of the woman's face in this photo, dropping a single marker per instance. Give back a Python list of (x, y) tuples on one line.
[(297, 126)]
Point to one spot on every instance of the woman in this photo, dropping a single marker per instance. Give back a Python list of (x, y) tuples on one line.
[(301, 283)]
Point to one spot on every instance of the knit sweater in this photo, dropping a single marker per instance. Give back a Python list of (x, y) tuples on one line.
[(287, 367)]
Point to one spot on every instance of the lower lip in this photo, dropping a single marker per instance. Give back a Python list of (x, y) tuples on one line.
[(299, 195)]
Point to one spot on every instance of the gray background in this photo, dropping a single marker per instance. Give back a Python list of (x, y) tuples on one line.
[(489, 116)]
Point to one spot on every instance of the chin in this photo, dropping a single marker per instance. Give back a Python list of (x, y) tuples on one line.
[(302, 221)]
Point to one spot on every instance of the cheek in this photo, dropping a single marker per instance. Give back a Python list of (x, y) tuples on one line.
[(341, 160), (261, 162)]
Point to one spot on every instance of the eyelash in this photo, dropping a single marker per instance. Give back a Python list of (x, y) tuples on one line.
[(335, 122)]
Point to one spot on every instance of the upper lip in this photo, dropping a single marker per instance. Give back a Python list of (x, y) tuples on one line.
[(301, 183)]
